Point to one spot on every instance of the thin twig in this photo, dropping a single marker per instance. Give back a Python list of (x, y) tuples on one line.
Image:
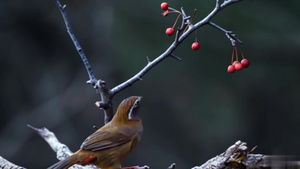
[(228, 2), (185, 19), (230, 35), (88, 67), (139, 75), (172, 166), (99, 85), (176, 57)]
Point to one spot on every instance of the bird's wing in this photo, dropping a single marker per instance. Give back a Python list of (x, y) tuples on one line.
[(104, 140)]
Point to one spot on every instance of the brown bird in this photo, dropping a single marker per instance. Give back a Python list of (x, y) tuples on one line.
[(112, 143)]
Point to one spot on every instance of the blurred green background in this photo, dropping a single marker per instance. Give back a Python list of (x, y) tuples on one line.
[(192, 110)]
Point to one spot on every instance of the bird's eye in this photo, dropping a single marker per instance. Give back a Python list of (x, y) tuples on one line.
[(137, 104)]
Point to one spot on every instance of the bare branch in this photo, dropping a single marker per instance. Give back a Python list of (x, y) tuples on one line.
[(218, 3), (61, 150), (76, 43), (172, 166), (228, 2), (185, 20), (176, 42), (137, 167), (4, 164), (147, 68), (234, 155), (230, 35), (207, 19), (176, 57), (181, 33)]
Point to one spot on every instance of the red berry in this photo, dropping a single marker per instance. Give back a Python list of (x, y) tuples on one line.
[(238, 66), (164, 6), (170, 31), (235, 62), (230, 69), (245, 63), (195, 46)]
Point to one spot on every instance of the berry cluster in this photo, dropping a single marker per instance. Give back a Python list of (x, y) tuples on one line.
[(236, 65), (170, 31)]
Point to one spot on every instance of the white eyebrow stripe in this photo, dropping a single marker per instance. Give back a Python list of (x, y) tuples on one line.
[(131, 109)]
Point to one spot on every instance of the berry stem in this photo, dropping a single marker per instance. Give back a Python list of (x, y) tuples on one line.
[(176, 20), (186, 28), (173, 10), (236, 53), (242, 55), (232, 56), (195, 11)]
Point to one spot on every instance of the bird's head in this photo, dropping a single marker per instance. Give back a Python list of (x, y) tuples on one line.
[(128, 110)]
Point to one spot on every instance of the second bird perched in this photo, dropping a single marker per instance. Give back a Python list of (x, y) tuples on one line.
[(112, 143)]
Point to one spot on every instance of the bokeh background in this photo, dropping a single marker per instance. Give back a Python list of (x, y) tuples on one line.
[(192, 110)]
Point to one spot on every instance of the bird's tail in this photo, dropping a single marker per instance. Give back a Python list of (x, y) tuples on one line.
[(63, 164)]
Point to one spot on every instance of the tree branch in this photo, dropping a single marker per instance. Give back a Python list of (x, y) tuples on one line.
[(62, 151), (86, 63), (107, 94), (228, 2), (236, 156), (177, 41), (4, 164), (230, 35), (207, 19)]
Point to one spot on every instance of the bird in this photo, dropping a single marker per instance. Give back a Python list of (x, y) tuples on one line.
[(111, 144)]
